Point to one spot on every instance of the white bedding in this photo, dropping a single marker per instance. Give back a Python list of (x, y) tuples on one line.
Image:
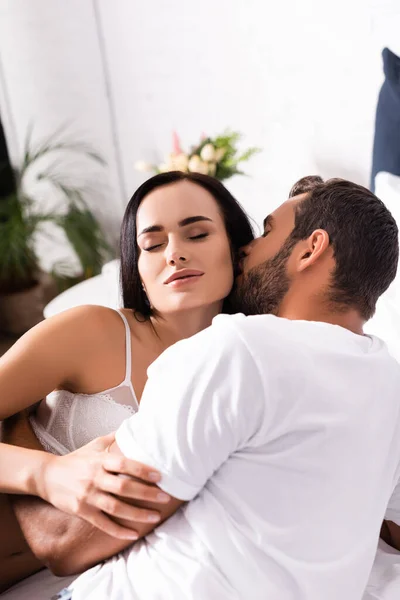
[(384, 583), (41, 586)]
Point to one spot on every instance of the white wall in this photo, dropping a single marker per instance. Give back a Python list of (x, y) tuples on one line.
[(299, 79)]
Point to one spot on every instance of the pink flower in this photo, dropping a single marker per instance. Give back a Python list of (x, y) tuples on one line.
[(176, 144)]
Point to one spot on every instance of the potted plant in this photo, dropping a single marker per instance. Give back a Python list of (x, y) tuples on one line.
[(24, 288)]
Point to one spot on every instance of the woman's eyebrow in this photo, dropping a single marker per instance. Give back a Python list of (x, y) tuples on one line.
[(183, 223)]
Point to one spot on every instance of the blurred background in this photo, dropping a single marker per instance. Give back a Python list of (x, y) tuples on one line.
[(110, 83)]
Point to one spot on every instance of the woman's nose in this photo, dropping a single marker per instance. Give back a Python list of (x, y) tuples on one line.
[(175, 257)]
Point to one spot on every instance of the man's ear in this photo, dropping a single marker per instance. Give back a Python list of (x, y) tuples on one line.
[(312, 249)]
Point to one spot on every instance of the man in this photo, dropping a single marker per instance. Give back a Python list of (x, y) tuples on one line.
[(281, 430)]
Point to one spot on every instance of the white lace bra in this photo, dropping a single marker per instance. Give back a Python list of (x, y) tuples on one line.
[(65, 421)]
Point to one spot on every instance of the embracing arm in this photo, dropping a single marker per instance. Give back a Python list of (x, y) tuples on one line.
[(28, 371), (59, 540), (66, 543), (390, 533), (45, 358), (178, 423)]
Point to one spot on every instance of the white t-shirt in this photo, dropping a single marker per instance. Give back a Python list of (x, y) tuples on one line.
[(285, 437)]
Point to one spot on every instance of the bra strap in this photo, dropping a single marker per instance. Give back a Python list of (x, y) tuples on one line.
[(128, 366)]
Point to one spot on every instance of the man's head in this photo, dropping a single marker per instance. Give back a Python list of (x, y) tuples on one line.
[(332, 246)]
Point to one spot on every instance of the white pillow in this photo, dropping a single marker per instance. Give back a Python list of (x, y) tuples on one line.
[(102, 289), (386, 322)]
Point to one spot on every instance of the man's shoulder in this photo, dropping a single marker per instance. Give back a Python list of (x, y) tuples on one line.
[(225, 336), (248, 326)]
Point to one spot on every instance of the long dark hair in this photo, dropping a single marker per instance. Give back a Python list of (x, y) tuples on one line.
[(236, 222)]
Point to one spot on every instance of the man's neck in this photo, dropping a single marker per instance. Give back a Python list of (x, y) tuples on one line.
[(316, 311)]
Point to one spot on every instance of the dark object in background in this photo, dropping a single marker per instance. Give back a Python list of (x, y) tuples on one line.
[(386, 151), (7, 183)]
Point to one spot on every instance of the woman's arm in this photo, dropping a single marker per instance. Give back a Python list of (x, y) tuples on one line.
[(20, 468), (51, 355), (66, 543), (83, 484), (57, 353), (72, 546)]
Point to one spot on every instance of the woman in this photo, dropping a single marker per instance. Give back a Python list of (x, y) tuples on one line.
[(180, 243)]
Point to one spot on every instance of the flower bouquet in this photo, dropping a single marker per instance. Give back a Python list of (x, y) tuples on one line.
[(218, 157)]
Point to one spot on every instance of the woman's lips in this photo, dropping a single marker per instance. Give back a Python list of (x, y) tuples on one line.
[(183, 274), (185, 280)]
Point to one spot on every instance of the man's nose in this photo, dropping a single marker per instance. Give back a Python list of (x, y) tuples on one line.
[(245, 250)]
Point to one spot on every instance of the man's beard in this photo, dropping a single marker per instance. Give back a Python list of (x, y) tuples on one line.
[(262, 289)]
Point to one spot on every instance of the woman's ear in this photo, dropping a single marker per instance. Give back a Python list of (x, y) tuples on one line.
[(313, 248)]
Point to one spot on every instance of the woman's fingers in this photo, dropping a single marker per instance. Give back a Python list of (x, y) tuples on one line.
[(119, 464), (104, 523), (118, 509), (132, 488)]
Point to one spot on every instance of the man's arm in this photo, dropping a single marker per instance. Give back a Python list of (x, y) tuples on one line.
[(390, 533), (74, 546), (64, 543)]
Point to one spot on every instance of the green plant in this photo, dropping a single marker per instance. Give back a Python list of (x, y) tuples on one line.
[(217, 156), (20, 221)]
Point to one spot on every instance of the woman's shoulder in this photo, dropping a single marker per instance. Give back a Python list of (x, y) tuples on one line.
[(100, 323), (88, 321), (88, 313)]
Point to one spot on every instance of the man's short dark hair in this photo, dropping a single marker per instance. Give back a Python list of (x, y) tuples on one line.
[(363, 235)]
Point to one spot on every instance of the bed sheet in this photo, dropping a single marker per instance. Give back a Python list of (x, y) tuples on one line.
[(41, 586)]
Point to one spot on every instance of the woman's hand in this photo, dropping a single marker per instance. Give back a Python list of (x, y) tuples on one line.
[(86, 483)]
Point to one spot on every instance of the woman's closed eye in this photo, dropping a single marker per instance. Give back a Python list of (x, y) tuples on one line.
[(199, 236), (151, 248)]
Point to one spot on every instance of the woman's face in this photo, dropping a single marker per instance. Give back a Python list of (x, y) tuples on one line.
[(184, 252)]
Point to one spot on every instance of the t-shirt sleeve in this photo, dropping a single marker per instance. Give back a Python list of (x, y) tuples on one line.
[(393, 509), (202, 402)]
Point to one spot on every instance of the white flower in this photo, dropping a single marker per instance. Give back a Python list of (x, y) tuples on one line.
[(196, 165), (212, 167), (219, 154), (180, 162), (143, 166), (163, 168), (208, 153), (170, 162)]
